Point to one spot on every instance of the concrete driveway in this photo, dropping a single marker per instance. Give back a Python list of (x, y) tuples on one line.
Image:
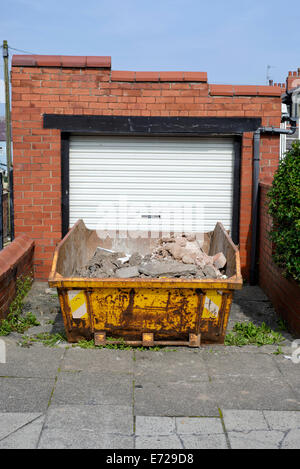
[(174, 398)]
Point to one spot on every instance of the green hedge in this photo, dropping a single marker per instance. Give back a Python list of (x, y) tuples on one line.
[(284, 207)]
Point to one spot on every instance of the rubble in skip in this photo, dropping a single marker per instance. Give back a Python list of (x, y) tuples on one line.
[(173, 257)]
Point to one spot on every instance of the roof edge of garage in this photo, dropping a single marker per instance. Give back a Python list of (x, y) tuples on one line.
[(69, 61), (65, 61), (123, 75), (246, 90)]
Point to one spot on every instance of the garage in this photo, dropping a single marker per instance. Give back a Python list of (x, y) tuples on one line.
[(171, 145), (144, 183)]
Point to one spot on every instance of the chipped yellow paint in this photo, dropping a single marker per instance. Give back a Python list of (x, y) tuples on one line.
[(167, 311), (154, 310), (73, 282), (148, 309)]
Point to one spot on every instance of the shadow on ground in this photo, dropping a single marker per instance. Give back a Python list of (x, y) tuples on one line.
[(252, 305)]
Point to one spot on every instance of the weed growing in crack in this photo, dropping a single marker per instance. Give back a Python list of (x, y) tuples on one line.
[(45, 338)]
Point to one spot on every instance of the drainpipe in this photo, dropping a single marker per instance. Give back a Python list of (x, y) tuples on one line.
[(255, 186)]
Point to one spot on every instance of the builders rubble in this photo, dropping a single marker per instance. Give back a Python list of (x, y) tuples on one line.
[(173, 257)]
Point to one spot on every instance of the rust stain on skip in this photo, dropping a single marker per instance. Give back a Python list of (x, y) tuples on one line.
[(127, 314)]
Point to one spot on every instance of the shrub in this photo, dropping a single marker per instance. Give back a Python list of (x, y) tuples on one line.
[(284, 207)]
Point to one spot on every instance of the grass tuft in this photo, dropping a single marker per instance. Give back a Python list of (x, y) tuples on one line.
[(246, 333), (15, 322)]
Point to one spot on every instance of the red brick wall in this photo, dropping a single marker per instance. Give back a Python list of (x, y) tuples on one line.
[(38, 88), (15, 260), (284, 294)]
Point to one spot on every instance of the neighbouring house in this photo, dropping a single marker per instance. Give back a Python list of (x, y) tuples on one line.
[(283, 292), (292, 97), (85, 135)]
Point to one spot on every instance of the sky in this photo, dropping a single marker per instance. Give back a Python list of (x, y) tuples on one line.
[(233, 41)]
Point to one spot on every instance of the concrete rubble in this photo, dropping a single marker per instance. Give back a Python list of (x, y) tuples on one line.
[(173, 257)]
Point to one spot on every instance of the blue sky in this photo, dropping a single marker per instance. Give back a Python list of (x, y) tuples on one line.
[(233, 41)]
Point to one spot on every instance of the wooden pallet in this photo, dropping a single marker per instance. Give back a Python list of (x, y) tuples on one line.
[(148, 340)]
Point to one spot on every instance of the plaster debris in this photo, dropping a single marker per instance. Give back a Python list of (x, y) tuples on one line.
[(124, 259), (127, 272), (156, 268), (219, 260), (173, 257)]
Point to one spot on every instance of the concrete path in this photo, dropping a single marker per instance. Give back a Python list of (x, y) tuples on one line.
[(212, 397)]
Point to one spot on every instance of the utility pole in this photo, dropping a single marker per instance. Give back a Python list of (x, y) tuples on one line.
[(8, 133)]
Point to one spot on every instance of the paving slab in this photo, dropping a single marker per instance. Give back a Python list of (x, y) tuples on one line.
[(287, 368), (282, 420), (170, 367), (102, 418), (26, 437), (234, 364), (262, 429), (152, 426), (256, 439), (158, 442), (290, 372), (253, 394), (75, 388), (244, 420), (219, 349), (83, 426), (98, 361), (35, 362), (198, 425), (52, 439), (182, 432), (291, 440), (25, 394), (204, 441), (180, 399), (10, 422)]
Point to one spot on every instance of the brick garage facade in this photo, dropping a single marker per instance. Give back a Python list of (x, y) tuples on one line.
[(87, 86), (284, 293)]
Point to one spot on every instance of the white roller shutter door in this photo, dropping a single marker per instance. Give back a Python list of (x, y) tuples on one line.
[(132, 181)]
